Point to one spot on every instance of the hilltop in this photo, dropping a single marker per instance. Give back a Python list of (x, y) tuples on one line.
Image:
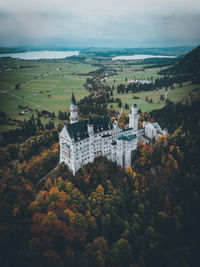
[(188, 66)]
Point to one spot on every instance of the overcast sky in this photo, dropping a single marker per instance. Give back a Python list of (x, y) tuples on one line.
[(114, 23)]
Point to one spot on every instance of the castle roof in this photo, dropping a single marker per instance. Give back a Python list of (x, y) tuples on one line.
[(90, 120), (127, 137), (73, 99), (106, 135), (113, 143), (127, 129), (78, 130)]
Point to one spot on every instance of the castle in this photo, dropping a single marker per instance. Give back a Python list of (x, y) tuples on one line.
[(82, 141)]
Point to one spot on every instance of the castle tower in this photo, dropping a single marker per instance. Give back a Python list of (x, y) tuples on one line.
[(90, 130), (90, 126), (73, 110), (133, 117)]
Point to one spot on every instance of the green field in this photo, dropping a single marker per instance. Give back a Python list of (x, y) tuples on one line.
[(176, 94), (42, 86), (48, 84)]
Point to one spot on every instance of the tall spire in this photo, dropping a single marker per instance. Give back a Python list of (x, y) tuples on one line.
[(90, 120), (73, 100), (73, 110)]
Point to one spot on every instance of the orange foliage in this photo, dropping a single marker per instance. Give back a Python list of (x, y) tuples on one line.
[(63, 196), (53, 190), (71, 215), (33, 206), (87, 178), (15, 211), (28, 187)]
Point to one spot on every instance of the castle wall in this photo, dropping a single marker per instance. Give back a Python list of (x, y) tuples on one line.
[(115, 143)]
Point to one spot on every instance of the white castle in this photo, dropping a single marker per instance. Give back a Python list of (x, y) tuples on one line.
[(82, 141)]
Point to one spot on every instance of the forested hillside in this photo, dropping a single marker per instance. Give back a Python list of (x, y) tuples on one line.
[(104, 216), (189, 66)]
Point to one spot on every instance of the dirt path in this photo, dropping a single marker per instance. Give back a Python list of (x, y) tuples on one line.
[(165, 92), (21, 85), (51, 174), (23, 99)]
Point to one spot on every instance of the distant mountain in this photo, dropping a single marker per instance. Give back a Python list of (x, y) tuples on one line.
[(189, 66)]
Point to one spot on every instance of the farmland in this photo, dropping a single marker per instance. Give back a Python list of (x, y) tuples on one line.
[(48, 84)]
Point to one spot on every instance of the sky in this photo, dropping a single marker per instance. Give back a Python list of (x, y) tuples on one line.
[(102, 23)]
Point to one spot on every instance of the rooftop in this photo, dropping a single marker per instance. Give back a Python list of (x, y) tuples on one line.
[(128, 129), (106, 135), (73, 99), (127, 138), (78, 130)]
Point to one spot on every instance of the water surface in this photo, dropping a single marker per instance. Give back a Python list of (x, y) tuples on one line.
[(45, 54), (140, 57)]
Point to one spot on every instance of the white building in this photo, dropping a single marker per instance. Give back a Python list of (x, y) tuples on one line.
[(138, 81), (82, 141)]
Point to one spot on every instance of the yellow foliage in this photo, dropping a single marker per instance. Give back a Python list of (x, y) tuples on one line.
[(71, 215), (15, 211), (50, 217), (129, 171)]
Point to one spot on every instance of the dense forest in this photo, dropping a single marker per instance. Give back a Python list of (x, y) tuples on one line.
[(104, 215), (188, 66)]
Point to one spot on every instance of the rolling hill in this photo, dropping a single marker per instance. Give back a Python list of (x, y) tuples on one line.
[(188, 66)]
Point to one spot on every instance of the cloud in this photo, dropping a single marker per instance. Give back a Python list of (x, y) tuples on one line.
[(109, 22)]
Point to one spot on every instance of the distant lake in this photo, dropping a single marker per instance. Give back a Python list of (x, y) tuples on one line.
[(41, 54), (137, 57)]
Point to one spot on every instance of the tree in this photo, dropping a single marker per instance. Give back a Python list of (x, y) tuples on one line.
[(52, 259), (96, 251), (126, 106), (119, 103), (121, 252), (17, 86)]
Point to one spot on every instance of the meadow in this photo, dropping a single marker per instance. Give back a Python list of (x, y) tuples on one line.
[(48, 84), (43, 84), (184, 93), (127, 71)]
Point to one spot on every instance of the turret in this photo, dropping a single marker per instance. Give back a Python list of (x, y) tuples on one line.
[(73, 110), (90, 125), (133, 117), (115, 124)]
